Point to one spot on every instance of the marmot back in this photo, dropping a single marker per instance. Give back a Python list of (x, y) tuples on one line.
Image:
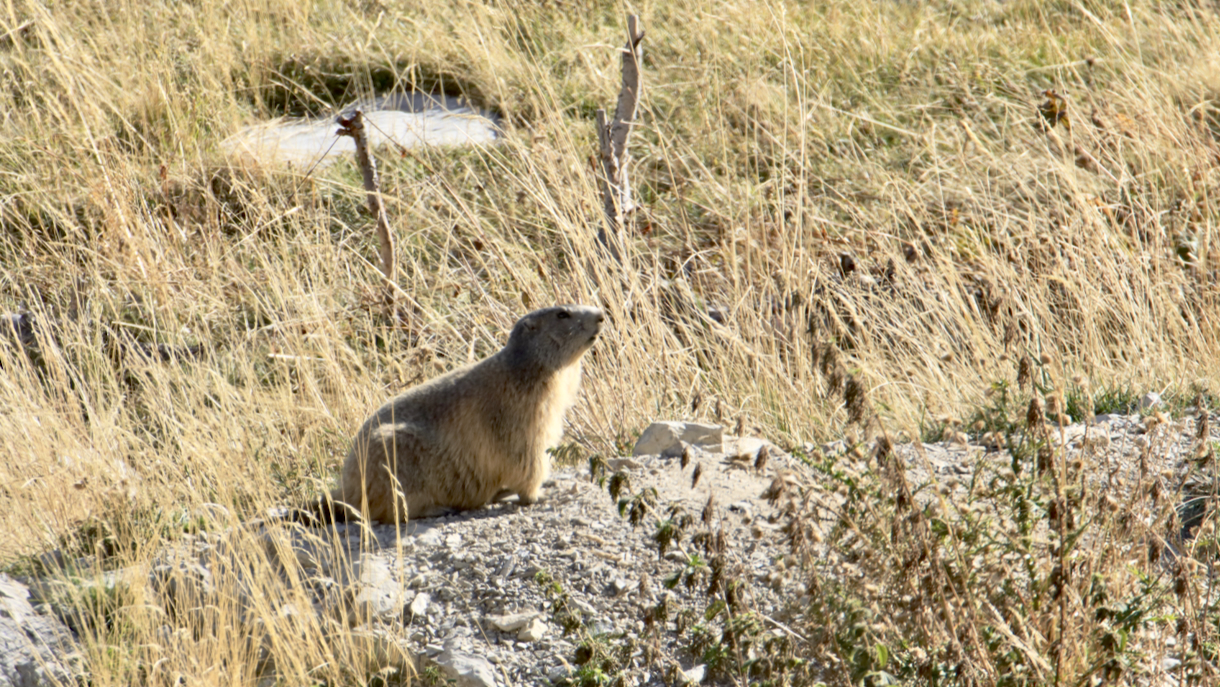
[(480, 431)]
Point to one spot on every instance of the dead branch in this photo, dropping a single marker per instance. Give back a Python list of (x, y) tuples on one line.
[(354, 126), (612, 137)]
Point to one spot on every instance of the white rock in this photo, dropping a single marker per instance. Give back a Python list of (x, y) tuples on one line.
[(34, 649), (832, 449), (429, 536), (511, 622), (378, 594), (743, 448), (624, 464), (466, 670), (1150, 400), (666, 438), (419, 605), (433, 121), (535, 630), (695, 674)]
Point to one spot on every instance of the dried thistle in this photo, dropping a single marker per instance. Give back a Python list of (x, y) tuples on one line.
[(1033, 416), (686, 456), (619, 483), (694, 477), (1025, 372), (1202, 420), (695, 402), (760, 463), (1054, 404), (855, 397), (828, 360), (709, 510), (740, 428)]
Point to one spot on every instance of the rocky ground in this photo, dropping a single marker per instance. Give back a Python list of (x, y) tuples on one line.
[(507, 595)]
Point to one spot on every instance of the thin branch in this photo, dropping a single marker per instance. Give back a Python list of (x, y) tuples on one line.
[(612, 139), (354, 126)]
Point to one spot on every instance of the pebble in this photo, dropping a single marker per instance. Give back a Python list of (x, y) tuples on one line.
[(419, 605)]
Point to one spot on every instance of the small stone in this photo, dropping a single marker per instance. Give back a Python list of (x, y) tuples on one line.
[(454, 541), (378, 594), (624, 464), (1150, 400), (743, 448), (419, 605), (695, 674), (430, 536), (466, 670), (535, 630), (511, 622), (665, 438), (834, 448)]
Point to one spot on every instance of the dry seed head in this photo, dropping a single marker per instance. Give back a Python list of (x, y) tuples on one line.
[(760, 463), (1033, 416), (686, 455), (855, 398), (1202, 420), (694, 477), (828, 359), (740, 428), (1099, 441), (1054, 404), (1046, 359), (1025, 372), (709, 509)]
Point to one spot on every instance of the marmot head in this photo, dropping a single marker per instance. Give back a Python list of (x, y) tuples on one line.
[(554, 338)]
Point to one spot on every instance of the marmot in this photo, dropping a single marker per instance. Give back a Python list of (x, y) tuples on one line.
[(477, 433)]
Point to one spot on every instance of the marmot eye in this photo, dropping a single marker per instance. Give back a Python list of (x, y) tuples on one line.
[(563, 315)]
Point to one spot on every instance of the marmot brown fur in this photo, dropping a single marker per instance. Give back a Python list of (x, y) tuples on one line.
[(476, 433)]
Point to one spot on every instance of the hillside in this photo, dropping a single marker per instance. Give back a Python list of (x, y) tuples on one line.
[(857, 220)]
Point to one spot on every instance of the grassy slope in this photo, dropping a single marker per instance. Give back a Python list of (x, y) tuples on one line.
[(771, 142)]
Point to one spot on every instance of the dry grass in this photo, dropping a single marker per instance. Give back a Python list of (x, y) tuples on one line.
[(773, 141)]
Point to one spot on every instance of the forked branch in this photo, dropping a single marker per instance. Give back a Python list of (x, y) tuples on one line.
[(612, 137)]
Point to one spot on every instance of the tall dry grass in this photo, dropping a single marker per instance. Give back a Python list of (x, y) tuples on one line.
[(774, 139)]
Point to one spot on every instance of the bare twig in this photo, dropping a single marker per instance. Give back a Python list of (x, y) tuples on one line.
[(612, 137), (354, 126)]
